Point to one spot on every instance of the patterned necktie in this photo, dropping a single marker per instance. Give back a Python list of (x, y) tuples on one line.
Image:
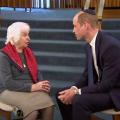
[(90, 66)]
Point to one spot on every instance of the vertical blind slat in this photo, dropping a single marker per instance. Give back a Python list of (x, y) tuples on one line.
[(56, 3)]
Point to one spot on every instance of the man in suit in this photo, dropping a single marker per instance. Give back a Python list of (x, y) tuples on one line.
[(99, 87)]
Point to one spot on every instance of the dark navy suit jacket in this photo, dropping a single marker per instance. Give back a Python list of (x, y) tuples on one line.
[(108, 61)]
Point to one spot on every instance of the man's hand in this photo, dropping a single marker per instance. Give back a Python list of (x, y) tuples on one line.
[(66, 96)]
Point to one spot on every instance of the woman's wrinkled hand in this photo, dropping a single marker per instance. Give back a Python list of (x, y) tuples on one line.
[(41, 86)]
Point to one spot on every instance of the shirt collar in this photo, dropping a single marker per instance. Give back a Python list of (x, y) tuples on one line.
[(92, 43)]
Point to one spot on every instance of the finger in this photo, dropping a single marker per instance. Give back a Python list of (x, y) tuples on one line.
[(61, 97), (46, 85), (65, 102), (46, 82), (69, 102), (46, 88), (62, 92)]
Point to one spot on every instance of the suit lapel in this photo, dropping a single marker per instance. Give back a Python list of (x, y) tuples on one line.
[(97, 49)]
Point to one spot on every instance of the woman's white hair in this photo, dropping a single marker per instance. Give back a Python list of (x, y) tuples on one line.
[(14, 32)]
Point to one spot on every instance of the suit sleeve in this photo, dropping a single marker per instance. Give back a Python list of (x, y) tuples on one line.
[(84, 78), (83, 81), (110, 71)]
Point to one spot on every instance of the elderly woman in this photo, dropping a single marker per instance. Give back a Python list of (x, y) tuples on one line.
[(19, 82)]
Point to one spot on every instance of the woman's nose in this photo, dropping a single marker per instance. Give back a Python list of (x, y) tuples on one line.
[(28, 38)]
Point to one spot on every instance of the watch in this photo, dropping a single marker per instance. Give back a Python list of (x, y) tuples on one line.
[(76, 90)]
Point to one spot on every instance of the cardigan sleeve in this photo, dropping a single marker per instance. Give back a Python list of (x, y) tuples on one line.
[(6, 79)]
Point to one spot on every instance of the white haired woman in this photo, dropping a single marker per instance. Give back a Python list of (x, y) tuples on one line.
[(20, 84)]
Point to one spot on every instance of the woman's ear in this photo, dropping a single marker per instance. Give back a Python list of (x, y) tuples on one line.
[(12, 41)]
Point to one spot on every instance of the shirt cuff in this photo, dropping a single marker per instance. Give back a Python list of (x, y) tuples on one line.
[(78, 91)]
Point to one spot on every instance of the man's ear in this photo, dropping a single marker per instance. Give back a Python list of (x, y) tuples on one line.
[(86, 25)]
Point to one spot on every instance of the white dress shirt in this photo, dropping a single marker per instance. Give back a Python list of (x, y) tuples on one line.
[(92, 43)]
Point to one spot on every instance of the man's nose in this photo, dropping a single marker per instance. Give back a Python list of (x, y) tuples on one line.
[(73, 30)]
